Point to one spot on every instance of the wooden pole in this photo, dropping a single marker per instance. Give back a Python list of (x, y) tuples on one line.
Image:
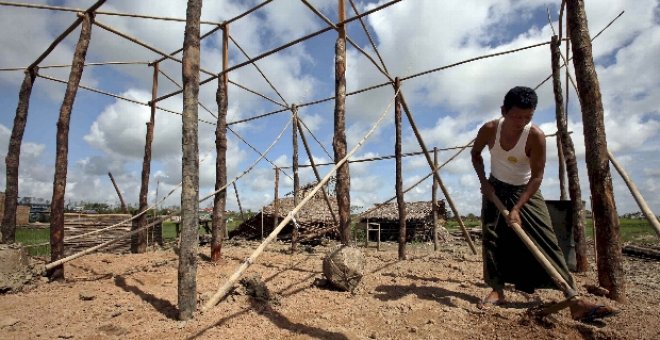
[(219, 224), (296, 178), (139, 240), (561, 172), (238, 201), (650, 216), (342, 188), (565, 142), (224, 289), (187, 273), (421, 143), (401, 203), (121, 198), (62, 149), (12, 159), (315, 169), (276, 200), (434, 202), (610, 260), (545, 263)]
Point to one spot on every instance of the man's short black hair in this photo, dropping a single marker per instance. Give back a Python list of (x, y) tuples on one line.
[(520, 96)]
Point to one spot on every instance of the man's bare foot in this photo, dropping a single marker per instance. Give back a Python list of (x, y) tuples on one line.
[(496, 297), (587, 311)]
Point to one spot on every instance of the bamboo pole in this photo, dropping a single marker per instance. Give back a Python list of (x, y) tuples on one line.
[(650, 216), (434, 202), (187, 271), (566, 143), (545, 263), (398, 186), (62, 149), (43, 67), (224, 289), (219, 225), (12, 158), (420, 141), (121, 198)]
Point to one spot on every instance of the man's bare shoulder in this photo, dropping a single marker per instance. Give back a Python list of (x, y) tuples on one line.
[(536, 132), (490, 126)]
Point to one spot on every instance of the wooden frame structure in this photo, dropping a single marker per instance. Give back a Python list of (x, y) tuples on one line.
[(191, 83)]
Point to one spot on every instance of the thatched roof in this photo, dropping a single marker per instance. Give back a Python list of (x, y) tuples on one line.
[(316, 209), (417, 211)]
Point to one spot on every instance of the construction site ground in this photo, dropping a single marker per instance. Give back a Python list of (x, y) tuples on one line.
[(431, 295)]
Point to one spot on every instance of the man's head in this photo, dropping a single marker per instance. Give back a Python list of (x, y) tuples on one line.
[(520, 97)]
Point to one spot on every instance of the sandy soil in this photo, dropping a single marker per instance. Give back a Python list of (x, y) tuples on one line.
[(433, 295)]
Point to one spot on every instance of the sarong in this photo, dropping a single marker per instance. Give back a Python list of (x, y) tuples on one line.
[(506, 259)]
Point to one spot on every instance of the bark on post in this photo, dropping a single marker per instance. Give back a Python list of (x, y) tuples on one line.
[(62, 149), (139, 240), (219, 225), (121, 198), (296, 178), (187, 272), (562, 168), (12, 159), (401, 203), (610, 261), (434, 201), (566, 143), (343, 185), (276, 200)]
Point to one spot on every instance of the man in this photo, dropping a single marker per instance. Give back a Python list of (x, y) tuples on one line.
[(517, 149)]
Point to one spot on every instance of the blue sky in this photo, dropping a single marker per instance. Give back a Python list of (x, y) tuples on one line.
[(412, 36)]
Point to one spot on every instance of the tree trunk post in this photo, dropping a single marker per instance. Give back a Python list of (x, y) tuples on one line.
[(187, 271), (62, 149), (296, 178), (401, 203), (565, 142), (434, 201), (219, 224), (343, 185), (12, 159), (610, 260), (561, 172), (139, 240), (121, 198), (276, 200), (238, 201)]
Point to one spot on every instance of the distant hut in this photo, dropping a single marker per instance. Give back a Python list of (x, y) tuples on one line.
[(314, 220), (419, 220)]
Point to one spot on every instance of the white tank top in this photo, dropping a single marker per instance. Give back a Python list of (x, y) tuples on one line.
[(511, 166)]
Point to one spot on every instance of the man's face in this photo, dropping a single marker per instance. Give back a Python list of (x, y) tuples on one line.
[(518, 117)]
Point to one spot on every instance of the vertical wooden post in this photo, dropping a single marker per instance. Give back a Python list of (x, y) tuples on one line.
[(262, 223), (187, 273), (157, 230), (401, 203), (296, 178), (139, 240), (121, 198), (434, 201), (219, 224), (12, 159), (276, 200), (62, 149), (238, 201), (561, 172), (566, 143), (610, 260), (343, 185)]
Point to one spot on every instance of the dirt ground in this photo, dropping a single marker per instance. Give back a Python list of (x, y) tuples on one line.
[(432, 295)]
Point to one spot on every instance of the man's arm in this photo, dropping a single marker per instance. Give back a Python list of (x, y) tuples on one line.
[(483, 138), (536, 154)]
